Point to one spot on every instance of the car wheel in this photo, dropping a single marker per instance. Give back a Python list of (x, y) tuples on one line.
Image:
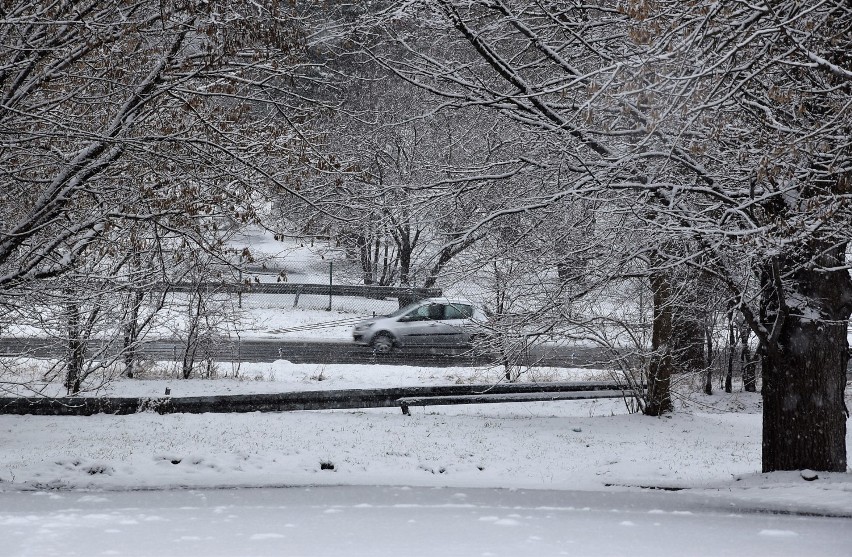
[(382, 343)]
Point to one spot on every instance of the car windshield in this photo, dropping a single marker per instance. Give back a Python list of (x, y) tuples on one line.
[(404, 310)]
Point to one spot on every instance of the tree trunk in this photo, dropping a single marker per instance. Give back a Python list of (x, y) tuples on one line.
[(406, 250), (76, 350), (804, 415), (708, 373), (732, 343), (364, 247), (131, 333), (687, 339), (659, 399), (195, 310)]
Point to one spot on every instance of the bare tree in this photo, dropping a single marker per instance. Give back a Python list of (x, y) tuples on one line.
[(769, 85), (401, 183), (728, 123), (185, 127), (158, 120)]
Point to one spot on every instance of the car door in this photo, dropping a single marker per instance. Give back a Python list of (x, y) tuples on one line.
[(417, 327), (453, 329)]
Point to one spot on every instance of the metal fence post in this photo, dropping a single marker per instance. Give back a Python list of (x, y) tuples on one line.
[(240, 291), (330, 282)]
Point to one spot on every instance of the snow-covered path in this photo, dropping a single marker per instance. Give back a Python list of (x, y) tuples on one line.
[(391, 521)]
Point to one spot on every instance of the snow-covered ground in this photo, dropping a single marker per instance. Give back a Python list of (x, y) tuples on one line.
[(389, 521), (710, 443), (27, 375), (710, 447)]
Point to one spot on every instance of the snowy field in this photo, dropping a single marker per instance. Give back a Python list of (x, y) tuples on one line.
[(61, 477)]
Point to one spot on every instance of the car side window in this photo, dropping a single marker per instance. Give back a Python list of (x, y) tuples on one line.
[(458, 311), (436, 311), (422, 313)]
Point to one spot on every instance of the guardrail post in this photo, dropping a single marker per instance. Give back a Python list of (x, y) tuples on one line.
[(240, 280), (330, 282)]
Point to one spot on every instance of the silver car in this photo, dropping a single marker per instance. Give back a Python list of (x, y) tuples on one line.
[(433, 322)]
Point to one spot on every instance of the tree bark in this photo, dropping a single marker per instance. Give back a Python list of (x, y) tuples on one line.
[(708, 372), (688, 339), (76, 350), (405, 247), (659, 399), (732, 345), (804, 415), (131, 332), (195, 309), (366, 261)]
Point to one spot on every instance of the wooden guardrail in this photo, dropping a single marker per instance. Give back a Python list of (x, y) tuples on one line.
[(300, 288), (283, 402), (491, 398)]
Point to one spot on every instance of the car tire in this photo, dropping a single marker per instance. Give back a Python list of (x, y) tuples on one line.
[(382, 343)]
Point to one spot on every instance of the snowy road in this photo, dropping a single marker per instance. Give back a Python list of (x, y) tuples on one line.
[(321, 351), (402, 522)]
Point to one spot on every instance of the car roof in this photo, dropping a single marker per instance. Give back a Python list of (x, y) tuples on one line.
[(444, 300)]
